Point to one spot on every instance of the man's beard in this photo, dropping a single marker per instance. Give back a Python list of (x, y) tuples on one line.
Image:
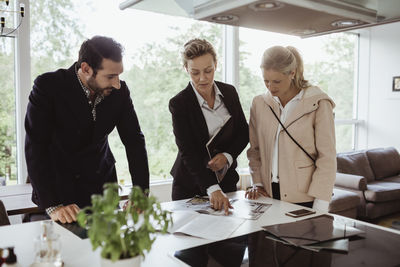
[(97, 89)]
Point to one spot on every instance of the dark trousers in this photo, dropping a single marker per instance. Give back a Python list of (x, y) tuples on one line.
[(277, 195)]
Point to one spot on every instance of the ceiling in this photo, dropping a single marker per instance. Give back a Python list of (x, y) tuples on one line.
[(302, 18)]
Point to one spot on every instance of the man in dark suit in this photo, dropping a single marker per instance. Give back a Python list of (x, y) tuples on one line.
[(70, 114)]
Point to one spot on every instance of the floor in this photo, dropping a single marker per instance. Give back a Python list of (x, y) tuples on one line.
[(390, 221)]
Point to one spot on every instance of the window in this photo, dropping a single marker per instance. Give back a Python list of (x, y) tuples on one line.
[(154, 73), (153, 69), (8, 167), (330, 62)]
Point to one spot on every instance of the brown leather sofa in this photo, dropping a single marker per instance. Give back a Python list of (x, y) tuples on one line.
[(374, 175), (344, 203)]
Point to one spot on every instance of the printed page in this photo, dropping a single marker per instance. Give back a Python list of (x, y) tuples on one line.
[(242, 208), (180, 218), (204, 226)]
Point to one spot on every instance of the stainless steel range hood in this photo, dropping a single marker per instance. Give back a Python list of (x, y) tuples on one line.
[(296, 17)]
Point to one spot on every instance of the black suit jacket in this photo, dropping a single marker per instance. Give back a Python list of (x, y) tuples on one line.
[(67, 153), (190, 172)]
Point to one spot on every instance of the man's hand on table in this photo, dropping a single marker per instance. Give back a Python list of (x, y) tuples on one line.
[(65, 214)]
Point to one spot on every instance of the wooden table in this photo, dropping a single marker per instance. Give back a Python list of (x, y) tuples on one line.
[(17, 198)]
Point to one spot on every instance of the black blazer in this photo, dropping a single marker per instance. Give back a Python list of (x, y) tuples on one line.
[(67, 154), (190, 172)]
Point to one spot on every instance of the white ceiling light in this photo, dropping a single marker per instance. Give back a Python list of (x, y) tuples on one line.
[(266, 6), (225, 18), (346, 23), (303, 32)]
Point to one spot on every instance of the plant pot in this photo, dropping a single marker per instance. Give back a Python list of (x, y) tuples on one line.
[(131, 262)]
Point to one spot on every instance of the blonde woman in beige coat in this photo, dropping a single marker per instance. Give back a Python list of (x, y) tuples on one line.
[(302, 173)]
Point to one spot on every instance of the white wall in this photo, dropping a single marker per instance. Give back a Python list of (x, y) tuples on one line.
[(378, 105), (162, 191)]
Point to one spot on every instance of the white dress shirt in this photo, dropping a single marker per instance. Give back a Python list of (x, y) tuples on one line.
[(285, 111), (215, 118)]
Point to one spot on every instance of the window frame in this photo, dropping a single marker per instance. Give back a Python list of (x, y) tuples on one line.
[(230, 75), (22, 87)]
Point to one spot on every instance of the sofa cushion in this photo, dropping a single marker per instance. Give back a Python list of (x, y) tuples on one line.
[(385, 162), (395, 179), (343, 200), (355, 163), (381, 191)]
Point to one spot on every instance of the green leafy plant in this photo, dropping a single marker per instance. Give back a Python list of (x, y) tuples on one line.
[(123, 233)]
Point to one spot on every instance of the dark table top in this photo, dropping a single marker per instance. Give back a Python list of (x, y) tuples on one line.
[(375, 247)]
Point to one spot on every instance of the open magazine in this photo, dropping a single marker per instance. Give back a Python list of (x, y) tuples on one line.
[(242, 208)]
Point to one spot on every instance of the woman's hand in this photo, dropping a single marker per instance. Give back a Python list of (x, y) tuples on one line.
[(256, 192), (219, 201), (217, 162)]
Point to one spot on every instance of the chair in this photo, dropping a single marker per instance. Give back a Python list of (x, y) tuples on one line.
[(3, 215)]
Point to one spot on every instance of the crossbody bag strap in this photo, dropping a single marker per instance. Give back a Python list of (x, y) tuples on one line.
[(291, 137)]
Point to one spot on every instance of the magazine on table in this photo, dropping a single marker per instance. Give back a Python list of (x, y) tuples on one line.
[(242, 208)]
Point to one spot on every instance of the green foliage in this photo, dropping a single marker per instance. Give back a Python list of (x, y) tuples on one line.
[(334, 74), (250, 84), (55, 35), (7, 110), (123, 233), (156, 76)]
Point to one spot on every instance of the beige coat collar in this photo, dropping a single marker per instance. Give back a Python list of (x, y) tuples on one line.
[(309, 103)]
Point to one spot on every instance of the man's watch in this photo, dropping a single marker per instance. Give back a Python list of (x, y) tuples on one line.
[(50, 210)]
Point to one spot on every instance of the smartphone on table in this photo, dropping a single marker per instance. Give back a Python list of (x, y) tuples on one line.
[(300, 213)]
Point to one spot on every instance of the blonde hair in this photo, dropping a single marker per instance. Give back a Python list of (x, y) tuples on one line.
[(285, 60), (196, 48)]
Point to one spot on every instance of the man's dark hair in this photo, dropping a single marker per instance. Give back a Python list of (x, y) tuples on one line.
[(93, 51)]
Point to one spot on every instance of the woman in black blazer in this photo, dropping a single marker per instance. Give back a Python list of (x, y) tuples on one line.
[(198, 111)]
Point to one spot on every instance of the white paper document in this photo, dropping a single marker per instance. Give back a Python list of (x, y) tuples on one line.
[(203, 225)]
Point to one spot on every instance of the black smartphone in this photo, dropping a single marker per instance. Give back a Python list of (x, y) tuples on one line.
[(300, 212)]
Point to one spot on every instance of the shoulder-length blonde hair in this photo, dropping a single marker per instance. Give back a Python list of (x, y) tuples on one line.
[(285, 60)]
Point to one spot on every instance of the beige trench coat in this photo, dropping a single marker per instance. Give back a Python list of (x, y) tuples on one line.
[(311, 124)]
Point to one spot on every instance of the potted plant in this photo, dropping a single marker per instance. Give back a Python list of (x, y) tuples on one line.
[(123, 234)]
